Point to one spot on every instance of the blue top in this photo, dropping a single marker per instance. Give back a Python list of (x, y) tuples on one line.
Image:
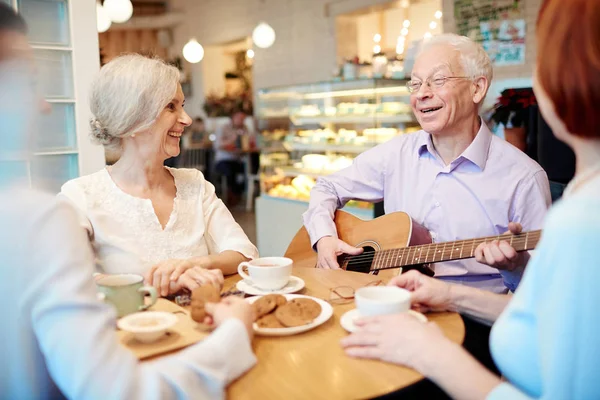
[(546, 342)]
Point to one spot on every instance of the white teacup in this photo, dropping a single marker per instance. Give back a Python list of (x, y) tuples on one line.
[(267, 273), (381, 300)]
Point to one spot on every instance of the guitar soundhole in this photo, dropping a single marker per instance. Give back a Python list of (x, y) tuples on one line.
[(361, 262)]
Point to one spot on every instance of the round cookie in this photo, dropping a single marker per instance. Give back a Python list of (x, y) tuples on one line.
[(269, 321), (200, 296), (297, 313), (267, 304), (311, 308)]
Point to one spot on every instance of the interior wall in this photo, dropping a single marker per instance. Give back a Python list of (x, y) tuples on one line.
[(305, 48), (116, 42)]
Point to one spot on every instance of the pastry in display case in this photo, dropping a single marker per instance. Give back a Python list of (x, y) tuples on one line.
[(328, 124)]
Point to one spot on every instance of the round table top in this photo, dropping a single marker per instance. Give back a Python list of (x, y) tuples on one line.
[(313, 365)]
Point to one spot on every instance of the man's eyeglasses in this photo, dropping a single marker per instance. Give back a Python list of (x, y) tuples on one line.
[(433, 83), (345, 294)]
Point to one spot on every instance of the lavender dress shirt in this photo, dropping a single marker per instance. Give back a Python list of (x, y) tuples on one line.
[(489, 185)]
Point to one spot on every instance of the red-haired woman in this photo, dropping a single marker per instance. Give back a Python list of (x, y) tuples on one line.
[(545, 337)]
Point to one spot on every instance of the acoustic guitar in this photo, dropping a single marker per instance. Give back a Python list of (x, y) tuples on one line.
[(395, 240)]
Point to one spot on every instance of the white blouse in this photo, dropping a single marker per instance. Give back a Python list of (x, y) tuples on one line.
[(127, 236)]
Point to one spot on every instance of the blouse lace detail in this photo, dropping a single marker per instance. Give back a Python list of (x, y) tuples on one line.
[(128, 236)]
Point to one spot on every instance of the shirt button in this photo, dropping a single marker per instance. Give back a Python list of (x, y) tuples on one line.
[(437, 203)]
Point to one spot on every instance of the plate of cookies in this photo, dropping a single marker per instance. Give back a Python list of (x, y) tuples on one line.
[(288, 314)]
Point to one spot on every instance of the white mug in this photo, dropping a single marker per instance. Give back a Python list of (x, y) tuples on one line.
[(381, 300), (267, 273)]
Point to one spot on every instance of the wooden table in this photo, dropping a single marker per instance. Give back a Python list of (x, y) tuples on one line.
[(312, 365)]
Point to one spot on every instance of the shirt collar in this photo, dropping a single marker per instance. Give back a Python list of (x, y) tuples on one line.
[(477, 152)]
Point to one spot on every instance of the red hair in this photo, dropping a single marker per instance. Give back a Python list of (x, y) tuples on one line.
[(568, 62)]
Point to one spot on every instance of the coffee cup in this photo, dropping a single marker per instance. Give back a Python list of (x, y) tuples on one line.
[(267, 273), (381, 300), (126, 292)]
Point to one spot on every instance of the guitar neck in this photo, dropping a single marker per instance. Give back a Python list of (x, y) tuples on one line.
[(447, 251)]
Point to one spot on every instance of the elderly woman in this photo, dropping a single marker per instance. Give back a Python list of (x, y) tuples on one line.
[(545, 339), (166, 224)]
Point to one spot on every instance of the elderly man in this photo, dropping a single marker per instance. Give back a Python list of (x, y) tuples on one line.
[(454, 177)]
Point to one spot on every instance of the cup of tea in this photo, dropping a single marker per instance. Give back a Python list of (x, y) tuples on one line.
[(267, 273), (381, 300), (126, 292)]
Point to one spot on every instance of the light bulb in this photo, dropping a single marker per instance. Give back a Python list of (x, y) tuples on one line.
[(263, 35), (103, 21), (377, 49), (250, 53), (427, 35), (404, 32), (193, 51), (432, 25), (438, 14), (377, 38), (406, 23), (119, 11)]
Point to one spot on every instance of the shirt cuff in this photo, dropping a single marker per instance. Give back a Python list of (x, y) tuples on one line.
[(316, 231), (230, 348)]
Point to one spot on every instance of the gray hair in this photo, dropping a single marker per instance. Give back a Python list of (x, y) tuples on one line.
[(127, 96), (474, 60)]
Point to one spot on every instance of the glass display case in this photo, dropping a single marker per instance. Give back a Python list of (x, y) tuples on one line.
[(316, 129)]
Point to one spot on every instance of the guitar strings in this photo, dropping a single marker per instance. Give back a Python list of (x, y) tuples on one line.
[(446, 252), (383, 254), (518, 240)]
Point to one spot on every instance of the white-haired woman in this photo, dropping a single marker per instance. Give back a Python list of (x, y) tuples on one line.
[(166, 224)]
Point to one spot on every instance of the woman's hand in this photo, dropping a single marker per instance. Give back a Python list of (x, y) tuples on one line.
[(232, 307), (163, 274), (397, 338), (428, 294), (198, 276)]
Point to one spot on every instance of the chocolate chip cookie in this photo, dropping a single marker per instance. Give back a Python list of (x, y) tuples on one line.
[(298, 312), (200, 296), (269, 321), (267, 304)]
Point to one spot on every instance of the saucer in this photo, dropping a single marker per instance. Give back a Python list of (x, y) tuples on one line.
[(347, 320), (294, 285)]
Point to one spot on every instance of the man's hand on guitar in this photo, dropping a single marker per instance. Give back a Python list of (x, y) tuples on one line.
[(328, 250), (500, 254)]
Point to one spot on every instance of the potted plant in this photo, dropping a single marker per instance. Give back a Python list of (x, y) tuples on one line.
[(512, 110)]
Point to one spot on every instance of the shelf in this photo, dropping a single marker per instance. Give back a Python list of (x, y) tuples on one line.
[(274, 116), (43, 46), (358, 211), (313, 173), (59, 101), (353, 119), (55, 152), (337, 148)]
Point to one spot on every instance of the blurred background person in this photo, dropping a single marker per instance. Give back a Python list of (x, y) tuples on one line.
[(233, 139), (57, 339)]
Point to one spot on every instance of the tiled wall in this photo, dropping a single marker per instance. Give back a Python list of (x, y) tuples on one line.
[(517, 71)]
